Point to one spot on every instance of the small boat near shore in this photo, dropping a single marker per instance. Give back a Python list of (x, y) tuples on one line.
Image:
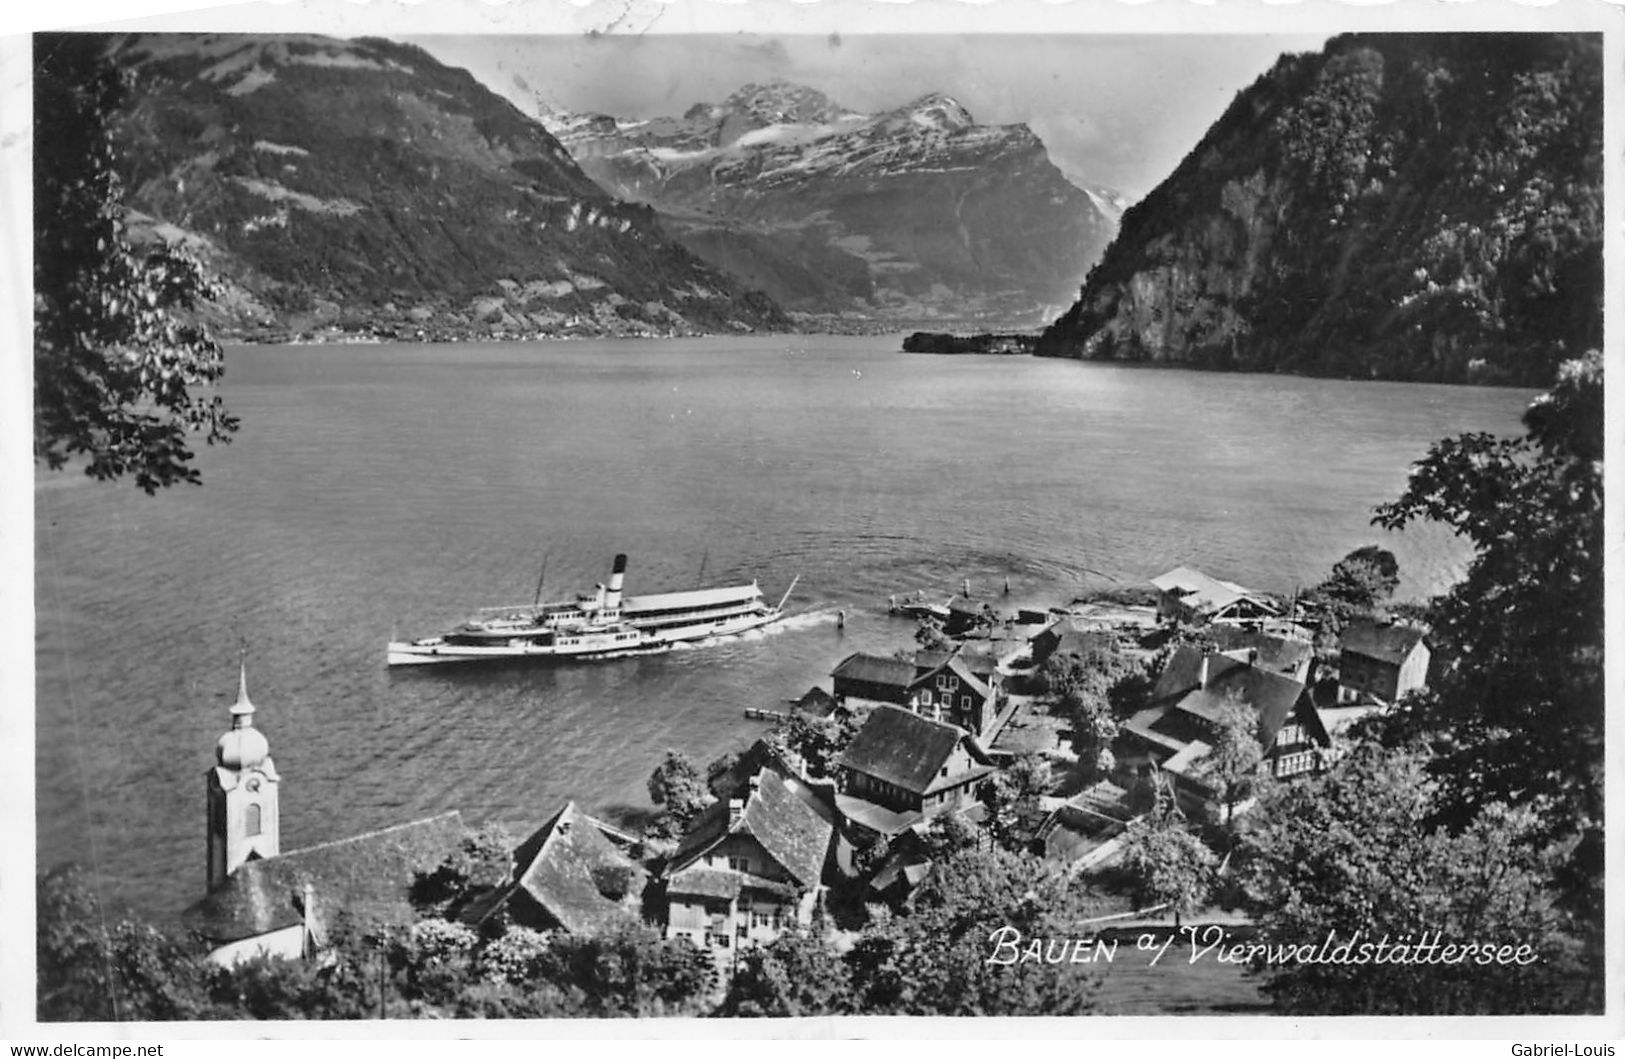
[(596, 625), (917, 606)]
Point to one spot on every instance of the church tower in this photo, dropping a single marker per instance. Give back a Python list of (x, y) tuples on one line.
[(242, 794)]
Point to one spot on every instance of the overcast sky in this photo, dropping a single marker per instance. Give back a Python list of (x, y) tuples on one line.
[(1119, 110)]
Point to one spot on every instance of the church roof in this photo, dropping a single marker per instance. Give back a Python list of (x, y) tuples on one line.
[(367, 878)]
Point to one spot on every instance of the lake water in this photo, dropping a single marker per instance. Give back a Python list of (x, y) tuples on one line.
[(387, 490)]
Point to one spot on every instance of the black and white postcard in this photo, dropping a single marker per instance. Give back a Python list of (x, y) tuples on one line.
[(831, 520)]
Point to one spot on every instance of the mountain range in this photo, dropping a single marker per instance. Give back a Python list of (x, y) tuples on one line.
[(363, 187), (1417, 206), (911, 214)]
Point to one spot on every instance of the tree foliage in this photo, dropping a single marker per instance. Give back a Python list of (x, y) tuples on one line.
[(1353, 851), (1237, 756), (1167, 865), (1360, 586), (677, 786), (1515, 712), (92, 967), (1012, 797), (796, 975), (817, 741), (934, 958), (482, 861), (118, 359)]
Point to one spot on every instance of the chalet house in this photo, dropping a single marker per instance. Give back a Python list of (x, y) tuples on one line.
[(957, 687), (749, 867), (1381, 663), (1177, 731), (952, 686), (902, 768), (569, 876), (1188, 595)]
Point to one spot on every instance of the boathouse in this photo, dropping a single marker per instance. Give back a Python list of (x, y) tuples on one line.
[(1189, 595)]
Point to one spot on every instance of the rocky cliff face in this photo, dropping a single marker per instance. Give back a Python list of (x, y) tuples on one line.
[(1412, 207), (909, 214), (362, 187)]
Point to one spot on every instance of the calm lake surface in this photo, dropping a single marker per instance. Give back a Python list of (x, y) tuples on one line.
[(390, 489)]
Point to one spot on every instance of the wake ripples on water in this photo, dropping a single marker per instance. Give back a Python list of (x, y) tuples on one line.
[(354, 506)]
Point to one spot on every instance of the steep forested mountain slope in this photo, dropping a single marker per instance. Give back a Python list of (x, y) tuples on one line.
[(1405, 206), (362, 185)]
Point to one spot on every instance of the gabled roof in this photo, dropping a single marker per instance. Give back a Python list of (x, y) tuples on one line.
[(1385, 643), (817, 701), (1278, 653), (786, 828), (1202, 593), (873, 669), (961, 668), (760, 755), (903, 748), (975, 665), (368, 878), (1071, 633), (1271, 695), (563, 865)]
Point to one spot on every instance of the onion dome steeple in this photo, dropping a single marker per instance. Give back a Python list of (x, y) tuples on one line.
[(242, 747)]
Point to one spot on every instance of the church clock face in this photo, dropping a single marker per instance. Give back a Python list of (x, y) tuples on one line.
[(254, 785)]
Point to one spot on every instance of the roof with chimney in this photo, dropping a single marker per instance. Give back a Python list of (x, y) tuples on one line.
[(782, 823), (367, 879), (1390, 644), (574, 873), (1186, 689), (907, 750), (1278, 653)]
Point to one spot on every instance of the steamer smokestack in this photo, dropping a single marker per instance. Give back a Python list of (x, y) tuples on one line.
[(616, 577)]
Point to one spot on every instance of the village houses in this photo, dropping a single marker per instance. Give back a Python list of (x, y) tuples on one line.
[(1176, 732), (1380, 663), (955, 686), (759, 859), (902, 768), (749, 866), (568, 875)]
